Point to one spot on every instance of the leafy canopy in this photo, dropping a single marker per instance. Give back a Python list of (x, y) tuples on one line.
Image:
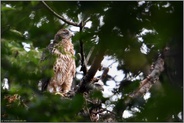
[(132, 33)]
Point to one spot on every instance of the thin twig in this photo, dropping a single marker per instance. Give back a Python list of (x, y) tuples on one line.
[(104, 109), (87, 100), (89, 54), (83, 60), (104, 74), (84, 23), (60, 17)]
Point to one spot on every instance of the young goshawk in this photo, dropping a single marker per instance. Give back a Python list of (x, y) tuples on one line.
[(63, 65)]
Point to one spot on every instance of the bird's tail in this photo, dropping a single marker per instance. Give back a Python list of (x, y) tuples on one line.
[(45, 83)]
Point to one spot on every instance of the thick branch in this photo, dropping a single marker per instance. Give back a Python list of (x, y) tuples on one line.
[(91, 72), (147, 83), (60, 17)]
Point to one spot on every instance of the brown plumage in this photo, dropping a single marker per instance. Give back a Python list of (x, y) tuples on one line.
[(64, 66)]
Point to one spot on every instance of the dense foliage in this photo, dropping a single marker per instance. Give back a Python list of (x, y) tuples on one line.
[(117, 31)]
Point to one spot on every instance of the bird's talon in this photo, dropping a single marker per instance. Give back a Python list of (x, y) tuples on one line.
[(61, 94)]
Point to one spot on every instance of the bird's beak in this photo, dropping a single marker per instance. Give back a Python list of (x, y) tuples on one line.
[(72, 34)]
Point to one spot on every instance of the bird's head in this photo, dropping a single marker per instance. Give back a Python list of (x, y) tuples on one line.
[(62, 34)]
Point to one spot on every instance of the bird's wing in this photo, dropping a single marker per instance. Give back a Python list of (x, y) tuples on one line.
[(46, 65), (47, 52)]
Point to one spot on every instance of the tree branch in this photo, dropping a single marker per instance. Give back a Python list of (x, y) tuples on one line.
[(89, 54), (83, 60), (60, 17), (104, 74), (148, 82), (104, 109), (91, 72)]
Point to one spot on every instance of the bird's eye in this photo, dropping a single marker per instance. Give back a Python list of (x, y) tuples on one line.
[(65, 32)]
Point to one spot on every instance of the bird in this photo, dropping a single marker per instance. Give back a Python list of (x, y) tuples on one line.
[(60, 57)]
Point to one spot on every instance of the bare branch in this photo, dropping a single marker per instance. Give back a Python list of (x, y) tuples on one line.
[(92, 71), (86, 21), (83, 60), (104, 74), (148, 82), (60, 17), (104, 109), (89, 54)]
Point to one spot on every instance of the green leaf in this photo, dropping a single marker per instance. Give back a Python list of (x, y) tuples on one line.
[(4, 8), (34, 3)]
